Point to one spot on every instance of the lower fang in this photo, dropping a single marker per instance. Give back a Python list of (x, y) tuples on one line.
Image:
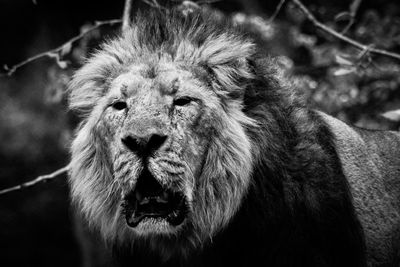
[(133, 220)]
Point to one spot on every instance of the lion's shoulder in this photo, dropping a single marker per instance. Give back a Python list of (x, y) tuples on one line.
[(377, 149), (370, 161)]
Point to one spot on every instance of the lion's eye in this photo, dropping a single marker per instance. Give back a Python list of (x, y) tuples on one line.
[(183, 101), (119, 105)]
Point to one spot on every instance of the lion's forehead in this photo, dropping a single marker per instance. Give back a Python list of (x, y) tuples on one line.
[(164, 76)]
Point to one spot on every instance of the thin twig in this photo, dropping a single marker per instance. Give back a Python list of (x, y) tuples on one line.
[(206, 2), (200, 2), (126, 18), (340, 36), (154, 4), (353, 12), (40, 179), (52, 52), (277, 10)]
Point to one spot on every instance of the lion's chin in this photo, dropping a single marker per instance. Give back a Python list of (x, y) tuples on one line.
[(150, 208)]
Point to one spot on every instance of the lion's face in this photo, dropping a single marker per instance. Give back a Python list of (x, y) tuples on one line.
[(163, 151), (157, 121)]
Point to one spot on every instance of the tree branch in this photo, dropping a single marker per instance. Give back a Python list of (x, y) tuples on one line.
[(276, 12), (55, 53), (40, 179), (126, 17), (341, 37)]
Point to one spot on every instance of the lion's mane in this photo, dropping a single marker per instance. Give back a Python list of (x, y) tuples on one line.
[(271, 180)]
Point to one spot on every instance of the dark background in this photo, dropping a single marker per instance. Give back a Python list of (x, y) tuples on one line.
[(37, 224)]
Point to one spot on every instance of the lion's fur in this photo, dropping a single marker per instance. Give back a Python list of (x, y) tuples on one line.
[(268, 184), (374, 183), (228, 162)]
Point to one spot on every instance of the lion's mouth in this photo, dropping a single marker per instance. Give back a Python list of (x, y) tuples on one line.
[(150, 200)]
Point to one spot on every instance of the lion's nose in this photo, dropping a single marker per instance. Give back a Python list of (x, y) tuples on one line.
[(144, 145)]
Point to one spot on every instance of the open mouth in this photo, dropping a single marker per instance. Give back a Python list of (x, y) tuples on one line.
[(151, 200)]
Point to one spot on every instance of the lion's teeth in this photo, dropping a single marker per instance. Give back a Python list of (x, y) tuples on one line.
[(173, 215), (134, 220), (153, 199), (144, 201)]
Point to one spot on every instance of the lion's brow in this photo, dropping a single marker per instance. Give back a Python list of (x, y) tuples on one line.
[(124, 90)]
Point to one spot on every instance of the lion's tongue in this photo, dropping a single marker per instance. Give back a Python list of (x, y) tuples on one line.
[(156, 207), (149, 207), (151, 200)]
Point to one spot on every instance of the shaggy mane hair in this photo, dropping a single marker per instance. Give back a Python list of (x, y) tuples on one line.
[(199, 40), (296, 209)]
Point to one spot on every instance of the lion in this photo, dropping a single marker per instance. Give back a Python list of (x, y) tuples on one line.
[(196, 150)]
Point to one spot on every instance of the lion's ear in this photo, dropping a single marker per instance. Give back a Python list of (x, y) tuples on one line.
[(83, 94), (91, 82), (226, 59)]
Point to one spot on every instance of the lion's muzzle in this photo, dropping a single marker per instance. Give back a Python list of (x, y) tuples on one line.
[(143, 146), (149, 202)]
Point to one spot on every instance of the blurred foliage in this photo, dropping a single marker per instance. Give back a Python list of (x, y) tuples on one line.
[(36, 128), (334, 76)]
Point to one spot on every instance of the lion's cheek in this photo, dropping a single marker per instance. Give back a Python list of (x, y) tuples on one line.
[(110, 125)]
